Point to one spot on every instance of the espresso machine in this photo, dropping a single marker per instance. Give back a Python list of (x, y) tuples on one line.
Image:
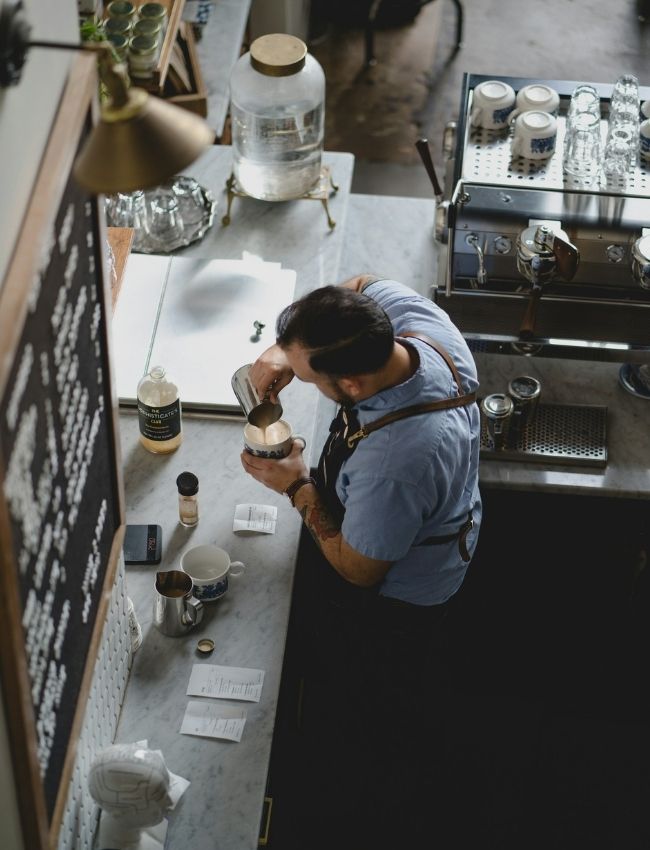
[(531, 260)]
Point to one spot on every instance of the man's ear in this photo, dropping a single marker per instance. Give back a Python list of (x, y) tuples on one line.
[(352, 386)]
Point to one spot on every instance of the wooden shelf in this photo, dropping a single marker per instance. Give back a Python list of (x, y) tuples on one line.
[(120, 239)]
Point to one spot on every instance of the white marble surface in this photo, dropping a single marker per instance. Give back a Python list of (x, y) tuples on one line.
[(221, 810)]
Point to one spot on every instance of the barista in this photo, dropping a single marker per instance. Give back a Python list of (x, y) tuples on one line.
[(393, 512)]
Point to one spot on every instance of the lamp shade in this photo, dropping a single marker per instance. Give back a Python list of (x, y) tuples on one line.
[(139, 145)]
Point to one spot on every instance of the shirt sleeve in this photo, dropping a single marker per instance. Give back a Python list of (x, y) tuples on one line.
[(382, 516)]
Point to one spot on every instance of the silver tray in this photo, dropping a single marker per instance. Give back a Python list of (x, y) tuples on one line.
[(574, 434), (143, 244)]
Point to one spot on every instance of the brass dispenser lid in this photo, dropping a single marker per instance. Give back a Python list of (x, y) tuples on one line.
[(278, 54)]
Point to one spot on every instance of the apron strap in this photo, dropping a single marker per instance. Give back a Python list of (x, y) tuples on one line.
[(441, 351), (413, 410)]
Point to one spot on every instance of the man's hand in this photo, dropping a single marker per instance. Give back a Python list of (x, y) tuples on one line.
[(270, 373), (277, 474)]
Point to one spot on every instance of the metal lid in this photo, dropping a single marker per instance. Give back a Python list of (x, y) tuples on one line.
[(524, 387), (143, 45), (497, 406), (278, 55), (188, 484)]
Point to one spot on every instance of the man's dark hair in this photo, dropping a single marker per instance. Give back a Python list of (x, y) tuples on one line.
[(347, 333)]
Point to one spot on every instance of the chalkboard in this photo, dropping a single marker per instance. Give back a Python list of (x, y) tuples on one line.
[(61, 487)]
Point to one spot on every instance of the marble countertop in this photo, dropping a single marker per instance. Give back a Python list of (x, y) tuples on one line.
[(222, 808)]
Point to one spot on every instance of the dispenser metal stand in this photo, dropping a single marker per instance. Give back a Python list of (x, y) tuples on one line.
[(321, 191)]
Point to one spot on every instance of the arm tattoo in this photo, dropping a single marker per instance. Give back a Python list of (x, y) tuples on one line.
[(319, 523)]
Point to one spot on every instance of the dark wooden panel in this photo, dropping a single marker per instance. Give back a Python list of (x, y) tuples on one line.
[(61, 497)]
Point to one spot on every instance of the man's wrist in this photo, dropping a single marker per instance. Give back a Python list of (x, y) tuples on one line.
[(293, 488)]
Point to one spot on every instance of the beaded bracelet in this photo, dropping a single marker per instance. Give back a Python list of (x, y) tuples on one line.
[(293, 488)]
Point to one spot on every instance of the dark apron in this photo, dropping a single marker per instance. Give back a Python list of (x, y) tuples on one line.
[(369, 662)]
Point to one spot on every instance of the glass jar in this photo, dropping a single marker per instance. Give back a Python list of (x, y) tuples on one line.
[(188, 500), (147, 26), (143, 56), (117, 26), (159, 412), (121, 9), (277, 93), (120, 45), (154, 12)]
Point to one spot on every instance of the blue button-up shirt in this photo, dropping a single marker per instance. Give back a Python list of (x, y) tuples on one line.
[(417, 477)]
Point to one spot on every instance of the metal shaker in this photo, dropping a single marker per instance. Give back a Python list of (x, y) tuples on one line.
[(497, 412), (175, 610), (259, 411), (524, 392)]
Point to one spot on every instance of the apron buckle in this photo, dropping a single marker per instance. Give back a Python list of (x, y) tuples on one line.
[(358, 435)]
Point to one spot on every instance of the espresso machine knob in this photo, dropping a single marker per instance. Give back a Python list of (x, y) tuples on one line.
[(641, 261)]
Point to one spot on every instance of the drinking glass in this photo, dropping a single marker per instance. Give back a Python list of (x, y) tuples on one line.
[(625, 92), (166, 225), (620, 148), (582, 146), (190, 199), (127, 210), (585, 98)]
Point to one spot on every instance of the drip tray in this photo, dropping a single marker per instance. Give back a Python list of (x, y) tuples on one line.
[(573, 434)]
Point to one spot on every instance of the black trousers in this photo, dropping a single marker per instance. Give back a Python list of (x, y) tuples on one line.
[(373, 711)]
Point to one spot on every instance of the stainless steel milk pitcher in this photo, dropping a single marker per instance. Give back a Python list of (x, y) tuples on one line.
[(259, 411), (175, 610)]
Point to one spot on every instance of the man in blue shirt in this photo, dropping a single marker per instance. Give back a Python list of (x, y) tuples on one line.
[(394, 510)]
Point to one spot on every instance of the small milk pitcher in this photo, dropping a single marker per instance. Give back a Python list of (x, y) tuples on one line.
[(175, 610), (260, 412)]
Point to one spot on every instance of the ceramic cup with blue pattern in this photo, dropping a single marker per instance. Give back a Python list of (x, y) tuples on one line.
[(492, 103), (209, 568), (534, 137), (537, 96), (273, 442)]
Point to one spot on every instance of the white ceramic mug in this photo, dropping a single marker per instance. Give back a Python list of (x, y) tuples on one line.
[(209, 567), (492, 103), (537, 96), (276, 441), (534, 135), (644, 140)]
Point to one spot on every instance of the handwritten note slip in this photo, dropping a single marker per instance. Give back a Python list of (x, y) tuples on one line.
[(213, 720), (210, 680)]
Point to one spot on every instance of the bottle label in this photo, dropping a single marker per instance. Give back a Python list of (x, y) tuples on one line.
[(160, 423)]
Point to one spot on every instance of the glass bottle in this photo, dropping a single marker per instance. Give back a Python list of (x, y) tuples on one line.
[(277, 108), (159, 412), (188, 500), (143, 56)]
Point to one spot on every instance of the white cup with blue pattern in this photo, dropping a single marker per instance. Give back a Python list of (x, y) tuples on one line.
[(492, 103), (535, 133), (273, 442), (209, 567)]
